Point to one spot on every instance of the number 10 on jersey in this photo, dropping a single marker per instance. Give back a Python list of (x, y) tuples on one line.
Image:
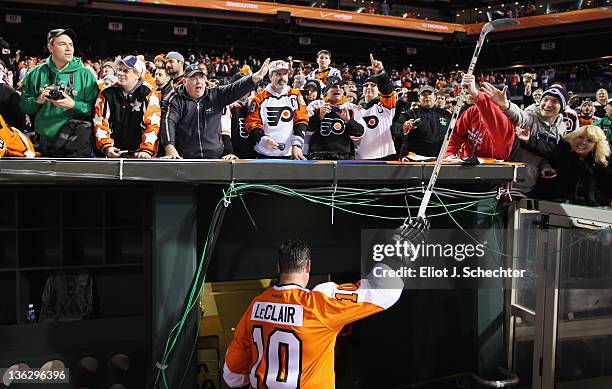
[(283, 358)]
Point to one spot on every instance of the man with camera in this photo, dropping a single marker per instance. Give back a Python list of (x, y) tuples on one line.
[(423, 128), (59, 95), (334, 124)]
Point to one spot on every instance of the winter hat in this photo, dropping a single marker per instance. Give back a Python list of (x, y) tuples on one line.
[(331, 82), (314, 84), (558, 92)]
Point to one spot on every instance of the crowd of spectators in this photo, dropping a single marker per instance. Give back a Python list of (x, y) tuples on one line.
[(216, 106)]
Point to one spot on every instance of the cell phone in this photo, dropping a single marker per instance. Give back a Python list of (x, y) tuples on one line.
[(281, 146), (417, 121), (126, 152), (336, 109)]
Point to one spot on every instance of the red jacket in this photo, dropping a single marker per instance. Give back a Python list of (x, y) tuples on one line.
[(484, 129)]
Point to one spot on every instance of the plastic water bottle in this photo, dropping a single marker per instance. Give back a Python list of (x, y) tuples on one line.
[(31, 314)]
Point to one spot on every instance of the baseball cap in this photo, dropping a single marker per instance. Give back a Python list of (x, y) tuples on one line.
[(333, 81), (133, 62), (609, 101), (111, 78), (175, 55), (371, 80), (275, 66), (192, 70), (60, 31), (109, 64), (426, 88)]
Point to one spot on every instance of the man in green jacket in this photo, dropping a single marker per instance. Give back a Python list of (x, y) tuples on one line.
[(605, 123), (60, 94)]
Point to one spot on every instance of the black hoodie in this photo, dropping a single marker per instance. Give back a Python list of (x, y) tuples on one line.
[(194, 126)]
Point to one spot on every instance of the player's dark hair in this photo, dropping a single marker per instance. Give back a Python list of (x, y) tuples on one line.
[(293, 255)]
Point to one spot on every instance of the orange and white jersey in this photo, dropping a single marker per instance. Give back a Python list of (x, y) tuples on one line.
[(226, 121), (287, 336), (377, 141), (277, 114), (14, 143)]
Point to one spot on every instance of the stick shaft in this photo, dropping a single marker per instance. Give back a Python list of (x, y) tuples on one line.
[(449, 131)]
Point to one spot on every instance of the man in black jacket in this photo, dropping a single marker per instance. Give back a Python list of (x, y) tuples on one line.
[(424, 138), (191, 127)]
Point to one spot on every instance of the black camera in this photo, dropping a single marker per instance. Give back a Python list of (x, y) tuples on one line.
[(336, 109), (57, 92), (281, 146)]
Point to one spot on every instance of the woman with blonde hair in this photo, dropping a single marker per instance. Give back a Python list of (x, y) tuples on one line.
[(579, 168)]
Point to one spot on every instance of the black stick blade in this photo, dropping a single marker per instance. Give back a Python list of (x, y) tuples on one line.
[(495, 24)]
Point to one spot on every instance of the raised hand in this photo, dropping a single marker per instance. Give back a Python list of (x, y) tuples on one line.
[(377, 66), (261, 73), (498, 96), (469, 83)]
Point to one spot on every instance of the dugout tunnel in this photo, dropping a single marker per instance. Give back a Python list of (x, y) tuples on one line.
[(139, 229)]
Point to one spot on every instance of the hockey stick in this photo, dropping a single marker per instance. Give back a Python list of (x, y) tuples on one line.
[(487, 28)]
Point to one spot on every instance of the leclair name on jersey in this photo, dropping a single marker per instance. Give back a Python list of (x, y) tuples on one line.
[(288, 314)]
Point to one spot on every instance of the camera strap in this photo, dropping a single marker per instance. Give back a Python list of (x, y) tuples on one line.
[(52, 76)]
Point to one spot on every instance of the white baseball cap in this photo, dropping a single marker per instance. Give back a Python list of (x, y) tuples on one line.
[(277, 65)]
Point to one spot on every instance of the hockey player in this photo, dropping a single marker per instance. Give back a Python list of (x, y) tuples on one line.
[(277, 117), (286, 337), (378, 111)]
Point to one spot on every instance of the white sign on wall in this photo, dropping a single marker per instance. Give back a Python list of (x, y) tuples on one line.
[(115, 26), (12, 19), (181, 31)]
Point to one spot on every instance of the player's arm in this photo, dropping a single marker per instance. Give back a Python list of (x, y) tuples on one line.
[(342, 304), (345, 303), (238, 359)]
